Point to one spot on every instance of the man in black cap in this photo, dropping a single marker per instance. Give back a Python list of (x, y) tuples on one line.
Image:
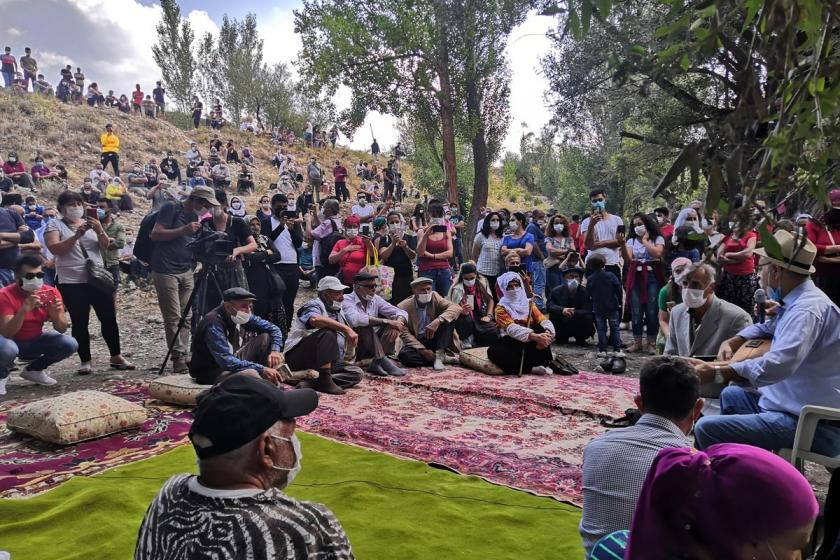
[(243, 435), (570, 309), (218, 348)]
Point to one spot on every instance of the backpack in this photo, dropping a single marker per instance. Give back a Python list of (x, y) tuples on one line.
[(143, 244), (314, 172), (325, 247)]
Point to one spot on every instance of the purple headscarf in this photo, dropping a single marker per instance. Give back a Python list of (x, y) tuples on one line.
[(717, 500)]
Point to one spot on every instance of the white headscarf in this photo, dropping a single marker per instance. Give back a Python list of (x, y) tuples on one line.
[(680, 221), (518, 305), (238, 212)]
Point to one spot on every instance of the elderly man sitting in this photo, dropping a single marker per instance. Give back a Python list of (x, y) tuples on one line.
[(320, 339), (248, 452), (377, 322), (218, 351), (431, 326), (701, 323)]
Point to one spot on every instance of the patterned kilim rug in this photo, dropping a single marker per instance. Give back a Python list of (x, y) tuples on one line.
[(29, 466), (523, 432)]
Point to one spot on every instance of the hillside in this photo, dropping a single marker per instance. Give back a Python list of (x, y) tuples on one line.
[(69, 134)]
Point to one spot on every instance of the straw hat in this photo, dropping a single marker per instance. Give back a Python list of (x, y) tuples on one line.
[(796, 256)]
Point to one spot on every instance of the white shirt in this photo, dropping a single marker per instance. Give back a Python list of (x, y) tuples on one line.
[(363, 211), (605, 230), (283, 244)]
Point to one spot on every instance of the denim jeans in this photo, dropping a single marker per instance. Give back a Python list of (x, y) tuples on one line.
[(645, 315), (601, 323), (441, 279), (46, 350), (537, 270), (7, 79), (553, 278), (743, 421), (8, 353)]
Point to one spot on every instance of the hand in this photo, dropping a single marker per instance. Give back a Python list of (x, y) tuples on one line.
[(30, 303), (272, 375), (276, 359), (705, 371), (771, 308), (595, 218), (351, 338), (191, 228), (81, 230), (56, 309), (427, 354), (620, 238), (486, 319), (725, 352), (432, 328), (392, 334), (466, 309), (544, 340), (568, 312)]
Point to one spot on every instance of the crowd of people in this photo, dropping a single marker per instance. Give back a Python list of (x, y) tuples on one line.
[(398, 281)]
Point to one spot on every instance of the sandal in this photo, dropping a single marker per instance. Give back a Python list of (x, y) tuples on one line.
[(123, 366), (85, 369)]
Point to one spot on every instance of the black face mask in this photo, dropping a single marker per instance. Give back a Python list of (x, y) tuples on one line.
[(278, 211), (515, 268)]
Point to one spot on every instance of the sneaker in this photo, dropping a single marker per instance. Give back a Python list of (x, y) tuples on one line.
[(468, 343), (438, 365), (179, 366), (541, 370), (3, 385), (39, 377), (601, 355)]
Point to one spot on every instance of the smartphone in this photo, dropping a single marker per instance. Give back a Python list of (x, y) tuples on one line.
[(471, 301), (438, 229), (620, 230), (92, 213), (290, 214)]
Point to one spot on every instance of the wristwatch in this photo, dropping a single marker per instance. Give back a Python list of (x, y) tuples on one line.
[(719, 378)]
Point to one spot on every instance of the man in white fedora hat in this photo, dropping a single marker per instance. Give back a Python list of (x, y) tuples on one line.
[(800, 368)]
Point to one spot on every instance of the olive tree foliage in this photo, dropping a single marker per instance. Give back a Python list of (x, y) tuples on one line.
[(741, 95), (173, 53)]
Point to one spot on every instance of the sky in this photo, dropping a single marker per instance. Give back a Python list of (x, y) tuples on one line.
[(111, 41)]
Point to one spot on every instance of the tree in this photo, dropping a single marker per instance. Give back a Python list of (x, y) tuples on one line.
[(173, 54)]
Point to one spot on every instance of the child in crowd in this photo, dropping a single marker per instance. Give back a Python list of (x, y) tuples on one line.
[(605, 290)]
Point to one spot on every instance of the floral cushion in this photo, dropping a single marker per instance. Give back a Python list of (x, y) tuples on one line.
[(476, 358), (75, 417), (176, 389)]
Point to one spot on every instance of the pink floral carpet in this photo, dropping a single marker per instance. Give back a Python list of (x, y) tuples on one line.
[(525, 432)]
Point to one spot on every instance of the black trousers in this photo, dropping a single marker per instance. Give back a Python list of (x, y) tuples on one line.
[(79, 298), (314, 351), (341, 191), (484, 334), (578, 326), (114, 159), (255, 350), (372, 343), (290, 273), (411, 357), (507, 353)]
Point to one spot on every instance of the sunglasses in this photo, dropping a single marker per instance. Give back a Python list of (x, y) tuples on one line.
[(33, 275), (367, 286)]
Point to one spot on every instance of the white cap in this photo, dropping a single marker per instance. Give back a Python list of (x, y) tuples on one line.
[(331, 283)]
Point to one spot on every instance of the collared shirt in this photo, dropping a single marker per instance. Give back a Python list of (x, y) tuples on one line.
[(802, 365), (358, 312), (320, 232), (223, 352), (615, 465)]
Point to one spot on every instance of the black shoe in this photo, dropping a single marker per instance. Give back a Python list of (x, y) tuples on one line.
[(619, 365), (581, 342), (391, 368), (375, 368), (607, 364)]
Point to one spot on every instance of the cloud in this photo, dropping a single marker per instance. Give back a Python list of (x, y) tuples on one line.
[(14, 32)]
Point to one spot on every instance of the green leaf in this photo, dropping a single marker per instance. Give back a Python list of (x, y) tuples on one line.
[(574, 20), (604, 7), (708, 11), (723, 208), (684, 62), (586, 16), (771, 246)]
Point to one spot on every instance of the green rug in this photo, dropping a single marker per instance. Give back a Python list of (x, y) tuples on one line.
[(390, 508)]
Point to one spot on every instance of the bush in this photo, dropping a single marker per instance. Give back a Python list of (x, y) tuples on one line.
[(180, 119)]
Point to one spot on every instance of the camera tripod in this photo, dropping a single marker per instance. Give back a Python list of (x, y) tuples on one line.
[(205, 277)]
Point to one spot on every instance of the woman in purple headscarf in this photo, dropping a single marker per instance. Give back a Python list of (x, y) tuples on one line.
[(732, 501)]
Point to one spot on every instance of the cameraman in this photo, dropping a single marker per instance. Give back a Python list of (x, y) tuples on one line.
[(245, 181), (172, 264)]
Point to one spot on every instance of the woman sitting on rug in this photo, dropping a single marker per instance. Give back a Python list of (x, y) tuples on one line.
[(526, 334), (475, 325)]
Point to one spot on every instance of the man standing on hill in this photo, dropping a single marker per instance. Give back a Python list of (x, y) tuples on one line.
[(137, 99), (340, 179), (8, 67), (30, 68), (160, 103), (374, 149), (110, 149)]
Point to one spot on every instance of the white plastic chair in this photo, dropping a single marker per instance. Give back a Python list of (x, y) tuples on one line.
[(804, 439)]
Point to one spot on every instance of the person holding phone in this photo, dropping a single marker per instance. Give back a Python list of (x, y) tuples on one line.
[(434, 249), (603, 234), (398, 250), (475, 325), (73, 240), (350, 253)]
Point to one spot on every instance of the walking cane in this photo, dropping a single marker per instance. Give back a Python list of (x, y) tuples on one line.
[(527, 326)]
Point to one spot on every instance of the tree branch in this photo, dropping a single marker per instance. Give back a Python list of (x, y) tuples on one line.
[(648, 140)]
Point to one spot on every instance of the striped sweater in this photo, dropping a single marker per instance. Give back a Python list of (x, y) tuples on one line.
[(184, 524)]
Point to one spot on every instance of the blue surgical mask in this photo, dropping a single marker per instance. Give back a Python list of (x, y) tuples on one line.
[(101, 214), (774, 293), (599, 204)]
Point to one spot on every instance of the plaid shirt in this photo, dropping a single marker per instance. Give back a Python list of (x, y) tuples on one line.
[(615, 465)]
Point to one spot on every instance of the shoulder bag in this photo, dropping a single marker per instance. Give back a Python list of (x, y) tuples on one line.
[(98, 276)]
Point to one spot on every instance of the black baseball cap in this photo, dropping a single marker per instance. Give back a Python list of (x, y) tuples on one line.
[(238, 294), (239, 409)]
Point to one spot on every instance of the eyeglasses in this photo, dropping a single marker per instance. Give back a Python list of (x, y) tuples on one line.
[(367, 286), (33, 275)]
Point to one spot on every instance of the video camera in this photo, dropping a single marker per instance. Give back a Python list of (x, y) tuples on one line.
[(211, 247)]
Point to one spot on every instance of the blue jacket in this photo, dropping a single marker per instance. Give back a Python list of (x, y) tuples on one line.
[(605, 290)]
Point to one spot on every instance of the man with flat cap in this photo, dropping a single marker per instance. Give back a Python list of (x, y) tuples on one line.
[(431, 326), (244, 437), (377, 323), (570, 309), (321, 339), (231, 339)]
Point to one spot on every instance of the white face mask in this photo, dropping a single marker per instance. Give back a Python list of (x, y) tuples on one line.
[(396, 229), (693, 297), (335, 305), (469, 283), (265, 206), (494, 225), (351, 232), (32, 285), (294, 469), (424, 298), (74, 213), (572, 284), (362, 202), (660, 219), (236, 205), (240, 317), (640, 230), (559, 228)]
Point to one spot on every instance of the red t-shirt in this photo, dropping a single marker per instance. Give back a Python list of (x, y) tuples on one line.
[(351, 263), (137, 96), (667, 231), (12, 298), (435, 248), (733, 246)]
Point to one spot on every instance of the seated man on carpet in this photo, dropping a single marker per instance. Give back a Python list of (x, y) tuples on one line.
[(616, 463), (248, 452), (320, 339), (25, 305), (800, 368), (377, 323), (431, 326), (218, 350), (701, 323), (570, 309)]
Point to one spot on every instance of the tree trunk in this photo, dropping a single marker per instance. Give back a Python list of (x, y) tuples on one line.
[(480, 163), (447, 113)]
